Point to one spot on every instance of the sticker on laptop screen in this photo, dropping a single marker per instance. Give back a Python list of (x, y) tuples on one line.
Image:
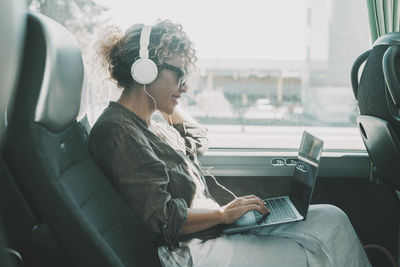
[(301, 166)]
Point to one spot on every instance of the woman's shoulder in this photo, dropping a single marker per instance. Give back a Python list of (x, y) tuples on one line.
[(110, 120), (114, 123)]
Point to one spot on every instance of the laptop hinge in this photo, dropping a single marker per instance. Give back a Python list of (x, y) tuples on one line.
[(308, 161)]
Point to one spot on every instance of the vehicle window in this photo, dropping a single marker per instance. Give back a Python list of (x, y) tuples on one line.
[(266, 70)]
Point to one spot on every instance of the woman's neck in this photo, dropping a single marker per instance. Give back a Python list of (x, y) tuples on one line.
[(138, 102)]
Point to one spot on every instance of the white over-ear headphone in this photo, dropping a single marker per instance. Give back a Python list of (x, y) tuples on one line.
[(144, 70)]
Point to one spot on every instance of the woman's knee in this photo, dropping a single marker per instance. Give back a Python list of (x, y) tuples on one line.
[(328, 212)]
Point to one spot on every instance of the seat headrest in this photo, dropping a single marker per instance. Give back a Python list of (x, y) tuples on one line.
[(12, 29), (373, 93), (60, 93)]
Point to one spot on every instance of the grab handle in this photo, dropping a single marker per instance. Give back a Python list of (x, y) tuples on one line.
[(354, 71)]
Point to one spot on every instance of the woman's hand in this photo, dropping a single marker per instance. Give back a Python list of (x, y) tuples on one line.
[(200, 219), (239, 206)]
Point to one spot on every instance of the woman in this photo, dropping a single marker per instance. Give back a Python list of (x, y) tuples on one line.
[(155, 168)]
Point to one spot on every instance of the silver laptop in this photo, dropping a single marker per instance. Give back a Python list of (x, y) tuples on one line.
[(294, 207)]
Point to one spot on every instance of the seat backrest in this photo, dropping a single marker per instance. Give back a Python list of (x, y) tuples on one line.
[(12, 30), (51, 163), (378, 95)]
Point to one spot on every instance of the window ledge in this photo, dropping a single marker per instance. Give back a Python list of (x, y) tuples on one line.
[(240, 163)]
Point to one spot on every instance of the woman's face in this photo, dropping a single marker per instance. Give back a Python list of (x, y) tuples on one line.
[(165, 89)]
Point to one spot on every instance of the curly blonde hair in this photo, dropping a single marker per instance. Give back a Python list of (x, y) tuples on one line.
[(119, 50)]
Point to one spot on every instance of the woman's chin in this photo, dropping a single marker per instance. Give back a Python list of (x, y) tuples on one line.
[(169, 110)]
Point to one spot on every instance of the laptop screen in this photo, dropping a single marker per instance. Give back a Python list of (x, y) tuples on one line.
[(305, 172), (311, 147)]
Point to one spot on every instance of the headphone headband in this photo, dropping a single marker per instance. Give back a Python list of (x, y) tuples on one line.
[(145, 41)]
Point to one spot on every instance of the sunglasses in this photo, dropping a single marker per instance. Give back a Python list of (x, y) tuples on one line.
[(179, 73)]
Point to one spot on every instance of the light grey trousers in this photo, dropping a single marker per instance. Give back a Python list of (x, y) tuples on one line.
[(326, 238)]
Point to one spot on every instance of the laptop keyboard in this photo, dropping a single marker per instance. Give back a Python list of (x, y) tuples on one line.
[(280, 211)]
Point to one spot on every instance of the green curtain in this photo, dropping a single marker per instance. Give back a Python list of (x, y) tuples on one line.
[(384, 17)]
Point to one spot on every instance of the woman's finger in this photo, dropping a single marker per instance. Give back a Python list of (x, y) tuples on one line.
[(263, 207), (255, 207), (254, 200), (249, 196), (255, 197)]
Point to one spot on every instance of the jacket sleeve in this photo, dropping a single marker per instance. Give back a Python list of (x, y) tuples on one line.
[(142, 180), (195, 136)]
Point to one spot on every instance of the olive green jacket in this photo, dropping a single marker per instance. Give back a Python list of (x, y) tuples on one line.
[(149, 174)]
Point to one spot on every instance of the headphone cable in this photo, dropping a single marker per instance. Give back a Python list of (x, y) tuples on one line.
[(152, 98)]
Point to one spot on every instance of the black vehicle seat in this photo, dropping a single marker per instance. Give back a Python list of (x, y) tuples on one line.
[(378, 96), (47, 155), (12, 29)]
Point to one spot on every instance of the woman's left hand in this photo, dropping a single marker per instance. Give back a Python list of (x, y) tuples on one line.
[(239, 206)]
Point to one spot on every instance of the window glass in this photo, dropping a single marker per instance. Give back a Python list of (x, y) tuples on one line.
[(266, 70)]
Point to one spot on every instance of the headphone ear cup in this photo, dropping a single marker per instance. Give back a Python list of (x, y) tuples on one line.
[(144, 71)]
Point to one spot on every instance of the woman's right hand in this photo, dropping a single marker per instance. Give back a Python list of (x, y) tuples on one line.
[(239, 206)]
